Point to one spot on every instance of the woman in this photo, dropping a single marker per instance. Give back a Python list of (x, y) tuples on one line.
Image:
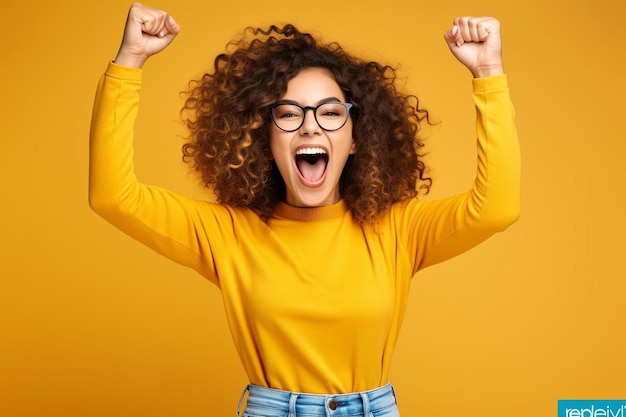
[(314, 158)]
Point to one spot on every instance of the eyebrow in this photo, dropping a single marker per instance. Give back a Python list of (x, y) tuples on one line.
[(322, 101)]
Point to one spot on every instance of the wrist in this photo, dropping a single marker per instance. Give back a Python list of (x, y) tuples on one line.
[(488, 71), (130, 60)]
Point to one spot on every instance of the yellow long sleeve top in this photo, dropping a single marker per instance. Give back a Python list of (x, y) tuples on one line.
[(314, 301)]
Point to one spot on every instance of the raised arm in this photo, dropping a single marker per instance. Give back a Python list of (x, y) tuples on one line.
[(439, 230), (164, 221)]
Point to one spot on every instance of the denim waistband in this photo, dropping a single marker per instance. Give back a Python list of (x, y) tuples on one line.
[(261, 399)]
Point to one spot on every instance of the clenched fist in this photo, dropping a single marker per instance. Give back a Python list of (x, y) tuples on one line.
[(148, 31), (476, 43)]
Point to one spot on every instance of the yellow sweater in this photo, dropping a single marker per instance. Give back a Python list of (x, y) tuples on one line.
[(314, 302)]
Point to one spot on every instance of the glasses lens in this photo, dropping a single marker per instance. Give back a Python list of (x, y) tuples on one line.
[(331, 116), (288, 117)]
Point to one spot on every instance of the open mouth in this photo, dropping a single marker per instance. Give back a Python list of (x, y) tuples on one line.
[(312, 163)]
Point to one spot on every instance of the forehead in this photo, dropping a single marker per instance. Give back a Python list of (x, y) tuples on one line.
[(311, 85)]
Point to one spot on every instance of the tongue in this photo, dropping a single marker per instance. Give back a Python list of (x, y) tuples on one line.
[(312, 169)]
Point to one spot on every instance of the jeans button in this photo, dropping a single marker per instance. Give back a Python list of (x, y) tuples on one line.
[(332, 404)]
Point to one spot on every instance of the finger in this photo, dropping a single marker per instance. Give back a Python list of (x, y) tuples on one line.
[(171, 28), (150, 20), (478, 28), (472, 26), (475, 29), (453, 36), (465, 28), (485, 27), (154, 23)]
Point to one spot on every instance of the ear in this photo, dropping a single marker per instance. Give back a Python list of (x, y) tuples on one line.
[(353, 147)]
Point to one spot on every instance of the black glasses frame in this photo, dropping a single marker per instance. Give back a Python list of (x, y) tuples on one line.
[(348, 107)]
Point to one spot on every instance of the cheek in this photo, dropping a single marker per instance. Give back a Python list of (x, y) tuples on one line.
[(273, 142), (347, 143), (279, 149)]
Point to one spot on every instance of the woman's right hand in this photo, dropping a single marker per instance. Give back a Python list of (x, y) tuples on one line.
[(148, 31)]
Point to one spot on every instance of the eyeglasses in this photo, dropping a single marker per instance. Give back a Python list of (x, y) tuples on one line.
[(329, 116)]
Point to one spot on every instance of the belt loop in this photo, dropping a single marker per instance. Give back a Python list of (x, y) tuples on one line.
[(366, 404), (247, 388), (292, 404), (393, 391)]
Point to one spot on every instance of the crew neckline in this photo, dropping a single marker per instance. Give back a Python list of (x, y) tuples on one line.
[(309, 214)]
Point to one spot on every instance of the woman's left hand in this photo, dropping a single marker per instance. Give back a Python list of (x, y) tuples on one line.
[(476, 43)]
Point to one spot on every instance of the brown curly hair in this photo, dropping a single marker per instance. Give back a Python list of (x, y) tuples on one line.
[(227, 114)]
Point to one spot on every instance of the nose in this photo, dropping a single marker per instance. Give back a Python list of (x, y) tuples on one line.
[(309, 124)]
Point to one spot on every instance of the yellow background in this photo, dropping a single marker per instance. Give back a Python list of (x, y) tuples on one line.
[(94, 324)]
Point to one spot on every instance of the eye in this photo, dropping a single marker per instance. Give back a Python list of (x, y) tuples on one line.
[(287, 111), (331, 110)]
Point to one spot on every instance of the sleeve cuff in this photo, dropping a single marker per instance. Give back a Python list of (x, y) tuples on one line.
[(490, 83), (122, 72)]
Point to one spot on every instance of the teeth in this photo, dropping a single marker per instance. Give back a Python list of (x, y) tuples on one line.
[(311, 151)]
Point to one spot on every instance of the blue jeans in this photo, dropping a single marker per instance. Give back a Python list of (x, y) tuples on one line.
[(267, 402)]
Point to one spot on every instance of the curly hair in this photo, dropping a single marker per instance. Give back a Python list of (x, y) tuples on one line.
[(227, 114)]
